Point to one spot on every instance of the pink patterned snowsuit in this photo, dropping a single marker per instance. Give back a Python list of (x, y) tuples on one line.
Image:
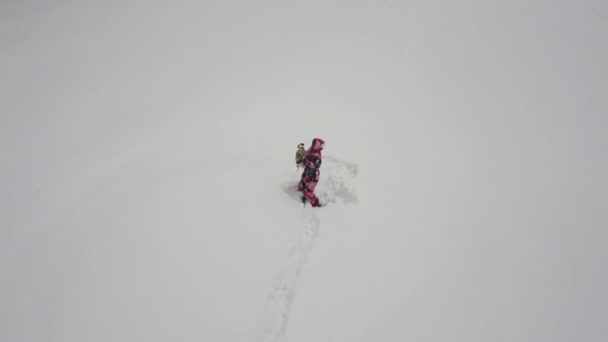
[(310, 177)]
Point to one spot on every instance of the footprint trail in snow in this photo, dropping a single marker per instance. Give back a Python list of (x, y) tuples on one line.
[(278, 305), (336, 187)]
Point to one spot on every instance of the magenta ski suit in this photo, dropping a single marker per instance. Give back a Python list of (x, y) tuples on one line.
[(310, 177)]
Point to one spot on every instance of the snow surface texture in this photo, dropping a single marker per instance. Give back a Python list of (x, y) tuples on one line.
[(278, 307), (338, 187), (146, 170)]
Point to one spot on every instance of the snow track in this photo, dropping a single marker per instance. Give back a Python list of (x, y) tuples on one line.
[(278, 305), (336, 187)]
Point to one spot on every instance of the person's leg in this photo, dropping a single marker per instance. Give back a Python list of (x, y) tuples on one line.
[(312, 198), (303, 181), (310, 194)]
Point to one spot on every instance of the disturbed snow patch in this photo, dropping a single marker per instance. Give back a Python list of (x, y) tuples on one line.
[(336, 185), (337, 181), (277, 310)]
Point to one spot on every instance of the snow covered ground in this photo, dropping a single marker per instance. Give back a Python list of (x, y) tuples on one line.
[(146, 152)]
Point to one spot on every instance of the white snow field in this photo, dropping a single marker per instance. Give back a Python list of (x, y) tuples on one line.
[(147, 176)]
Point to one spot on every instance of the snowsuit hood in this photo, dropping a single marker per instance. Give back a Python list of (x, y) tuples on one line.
[(317, 145)]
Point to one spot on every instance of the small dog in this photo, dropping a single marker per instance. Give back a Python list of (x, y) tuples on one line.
[(300, 155)]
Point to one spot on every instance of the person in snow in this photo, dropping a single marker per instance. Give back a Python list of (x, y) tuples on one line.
[(310, 177)]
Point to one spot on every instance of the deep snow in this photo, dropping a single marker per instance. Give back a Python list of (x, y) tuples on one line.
[(147, 156)]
